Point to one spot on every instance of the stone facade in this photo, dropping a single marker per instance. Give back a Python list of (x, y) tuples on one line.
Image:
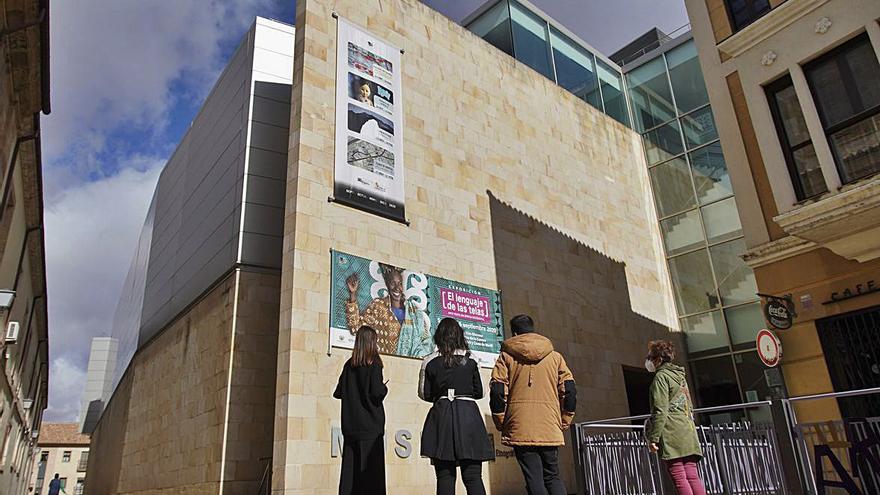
[(197, 400), (511, 183)]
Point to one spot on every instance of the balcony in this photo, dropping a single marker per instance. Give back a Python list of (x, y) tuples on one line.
[(778, 16), (847, 223)]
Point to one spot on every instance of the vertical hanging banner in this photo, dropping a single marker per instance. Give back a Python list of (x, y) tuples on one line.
[(405, 306), (369, 124)]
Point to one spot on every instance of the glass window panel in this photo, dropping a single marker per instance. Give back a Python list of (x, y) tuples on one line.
[(673, 189), (792, 116), (743, 322), (858, 148), (744, 12), (809, 172), (693, 283), (721, 220), (611, 84), (710, 174), (530, 40), (686, 77), (699, 127), (753, 377), (682, 233), (705, 332), (736, 281), (494, 27), (800, 155), (663, 143), (650, 95), (575, 70), (715, 382), (844, 82)]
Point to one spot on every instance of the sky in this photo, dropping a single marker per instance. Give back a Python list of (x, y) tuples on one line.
[(127, 78)]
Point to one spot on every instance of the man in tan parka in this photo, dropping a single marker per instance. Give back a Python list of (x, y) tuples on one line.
[(533, 399)]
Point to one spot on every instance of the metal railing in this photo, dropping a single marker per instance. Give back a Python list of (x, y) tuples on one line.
[(738, 458), (842, 453), (781, 456)]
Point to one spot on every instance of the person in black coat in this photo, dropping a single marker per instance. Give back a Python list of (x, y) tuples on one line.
[(454, 434), (363, 418)]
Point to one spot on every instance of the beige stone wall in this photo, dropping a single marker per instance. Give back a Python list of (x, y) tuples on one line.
[(180, 414), (479, 128)]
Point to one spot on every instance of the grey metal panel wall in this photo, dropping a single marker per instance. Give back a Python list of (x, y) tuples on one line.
[(266, 173), (198, 199)]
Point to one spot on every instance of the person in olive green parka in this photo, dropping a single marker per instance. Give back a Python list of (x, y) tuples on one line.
[(671, 431)]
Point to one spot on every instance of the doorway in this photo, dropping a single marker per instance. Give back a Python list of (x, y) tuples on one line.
[(851, 344)]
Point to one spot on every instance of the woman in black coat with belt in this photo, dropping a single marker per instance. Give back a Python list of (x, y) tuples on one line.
[(454, 434)]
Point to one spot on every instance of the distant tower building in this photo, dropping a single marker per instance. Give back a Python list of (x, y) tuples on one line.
[(99, 382)]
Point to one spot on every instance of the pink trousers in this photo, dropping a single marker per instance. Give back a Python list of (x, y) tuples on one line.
[(685, 476)]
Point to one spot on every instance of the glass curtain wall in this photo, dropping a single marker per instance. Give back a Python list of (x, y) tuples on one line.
[(519, 32), (714, 289)]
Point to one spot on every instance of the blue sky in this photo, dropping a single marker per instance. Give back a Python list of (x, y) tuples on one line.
[(127, 79)]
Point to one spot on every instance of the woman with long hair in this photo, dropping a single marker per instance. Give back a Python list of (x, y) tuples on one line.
[(671, 430), (362, 391), (454, 435)]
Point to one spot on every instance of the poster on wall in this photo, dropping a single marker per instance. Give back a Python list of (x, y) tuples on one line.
[(369, 132), (405, 306)]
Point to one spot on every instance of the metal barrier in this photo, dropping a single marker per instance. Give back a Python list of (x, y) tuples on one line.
[(841, 456), (739, 458), (780, 457)]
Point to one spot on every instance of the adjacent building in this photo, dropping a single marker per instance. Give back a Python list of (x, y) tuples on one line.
[(793, 86), (61, 450), (99, 382), (24, 94), (513, 183), (195, 331)]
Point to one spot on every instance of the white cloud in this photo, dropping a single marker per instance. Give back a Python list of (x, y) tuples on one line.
[(123, 65), (66, 381), (91, 234)]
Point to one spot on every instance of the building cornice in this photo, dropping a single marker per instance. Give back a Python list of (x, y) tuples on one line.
[(778, 250), (773, 22)]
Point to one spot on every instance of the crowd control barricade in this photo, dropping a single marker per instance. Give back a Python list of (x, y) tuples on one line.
[(839, 457), (781, 454), (740, 458)]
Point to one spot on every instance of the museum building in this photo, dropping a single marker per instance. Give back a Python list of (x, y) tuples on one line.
[(529, 174)]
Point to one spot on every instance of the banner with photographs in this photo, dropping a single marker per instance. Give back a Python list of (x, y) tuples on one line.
[(405, 306), (369, 144)]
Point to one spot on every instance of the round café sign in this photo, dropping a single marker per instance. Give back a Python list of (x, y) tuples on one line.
[(778, 314), (769, 348)]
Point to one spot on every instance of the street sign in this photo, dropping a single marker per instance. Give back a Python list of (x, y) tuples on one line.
[(769, 348)]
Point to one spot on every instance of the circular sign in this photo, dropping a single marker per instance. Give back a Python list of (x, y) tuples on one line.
[(769, 348), (778, 314)]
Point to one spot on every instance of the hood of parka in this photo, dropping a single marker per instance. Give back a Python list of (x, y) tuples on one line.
[(528, 347)]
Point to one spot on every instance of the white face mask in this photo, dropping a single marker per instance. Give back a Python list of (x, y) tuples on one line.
[(649, 365)]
